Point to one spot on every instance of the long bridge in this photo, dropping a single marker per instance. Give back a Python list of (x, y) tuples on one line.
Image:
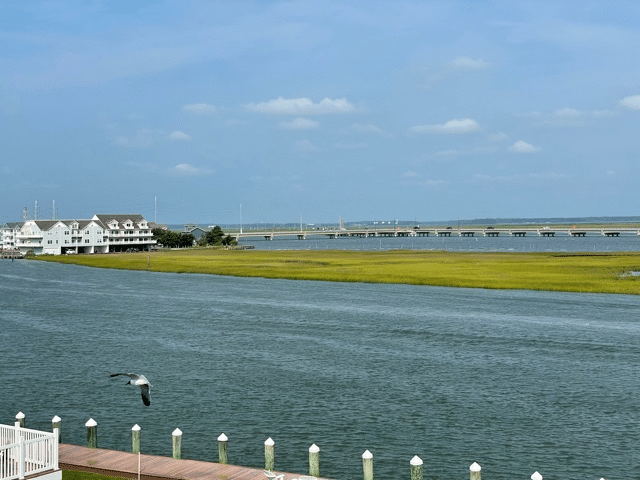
[(440, 232)]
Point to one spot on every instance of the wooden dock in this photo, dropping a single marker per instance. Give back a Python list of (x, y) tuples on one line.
[(152, 467)]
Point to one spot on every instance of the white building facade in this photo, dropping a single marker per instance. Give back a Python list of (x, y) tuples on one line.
[(101, 234), (8, 232)]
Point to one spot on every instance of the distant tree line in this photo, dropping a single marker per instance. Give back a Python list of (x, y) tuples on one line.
[(168, 238)]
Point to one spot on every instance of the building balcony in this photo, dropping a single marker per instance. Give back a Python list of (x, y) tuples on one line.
[(28, 244)]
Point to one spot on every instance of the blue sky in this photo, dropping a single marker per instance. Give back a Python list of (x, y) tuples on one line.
[(365, 110)]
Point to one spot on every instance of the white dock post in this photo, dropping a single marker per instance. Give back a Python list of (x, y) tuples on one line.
[(416, 468), (135, 438), (56, 449), (21, 457), (367, 465), (474, 471), (314, 460), (56, 422), (20, 418), (269, 454), (92, 433), (177, 443), (222, 449)]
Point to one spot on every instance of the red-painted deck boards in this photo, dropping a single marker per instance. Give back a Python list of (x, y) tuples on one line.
[(152, 467)]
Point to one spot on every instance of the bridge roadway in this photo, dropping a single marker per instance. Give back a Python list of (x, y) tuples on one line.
[(440, 232)]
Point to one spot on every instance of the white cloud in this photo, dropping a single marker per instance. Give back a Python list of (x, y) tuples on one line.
[(301, 106), (146, 166), (411, 174), (611, 173), (143, 138), (466, 63), (498, 137), (370, 128), (351, 146), (468, 151), (523, 147), (189, 170), (632, 102), (177, 135), (568, 117), (527, 178), (305, 146), (432, 183), (200, 108), (464, 125), (299, 124)]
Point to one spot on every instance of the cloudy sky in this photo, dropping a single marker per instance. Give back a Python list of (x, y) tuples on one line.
[(195, 111)]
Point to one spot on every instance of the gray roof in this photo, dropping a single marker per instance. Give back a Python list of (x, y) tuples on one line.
[(107, 218), (47, 224), (102, 220), (12, 225)]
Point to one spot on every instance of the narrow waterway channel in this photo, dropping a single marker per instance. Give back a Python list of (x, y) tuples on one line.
[(516, 381)]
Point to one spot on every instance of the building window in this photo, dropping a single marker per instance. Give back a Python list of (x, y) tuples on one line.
[(86, 240)]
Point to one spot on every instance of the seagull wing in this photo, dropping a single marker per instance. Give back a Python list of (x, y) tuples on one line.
[(130, 375), (146, 398)]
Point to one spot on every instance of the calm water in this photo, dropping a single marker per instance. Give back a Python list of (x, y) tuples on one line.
[(532, 243), (516, 381)]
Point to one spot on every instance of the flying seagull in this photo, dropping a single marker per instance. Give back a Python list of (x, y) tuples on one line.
[(141, 381)]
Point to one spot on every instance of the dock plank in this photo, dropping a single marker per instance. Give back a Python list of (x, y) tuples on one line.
[(154, 467)]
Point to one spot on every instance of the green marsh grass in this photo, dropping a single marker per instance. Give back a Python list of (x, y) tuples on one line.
[(588, 273)]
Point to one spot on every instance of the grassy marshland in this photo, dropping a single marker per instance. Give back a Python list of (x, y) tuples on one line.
[(595, 273)]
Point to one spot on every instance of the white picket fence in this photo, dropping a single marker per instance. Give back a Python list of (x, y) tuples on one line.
[(26, 452)]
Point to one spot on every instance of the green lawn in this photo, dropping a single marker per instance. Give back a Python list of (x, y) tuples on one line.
[(595, 273), (77, 475)]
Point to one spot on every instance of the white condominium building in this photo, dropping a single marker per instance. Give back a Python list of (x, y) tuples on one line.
[(101, 234)]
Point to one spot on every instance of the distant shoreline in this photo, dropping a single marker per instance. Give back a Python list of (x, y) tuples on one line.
[(582, 272), (554, 222)]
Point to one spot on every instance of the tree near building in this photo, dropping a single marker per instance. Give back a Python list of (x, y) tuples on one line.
[(216, 237), (170, 239)]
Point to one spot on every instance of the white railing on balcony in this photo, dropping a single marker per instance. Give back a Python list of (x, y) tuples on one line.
[(26, 452)]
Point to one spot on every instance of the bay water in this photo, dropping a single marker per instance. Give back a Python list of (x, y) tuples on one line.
[(562, 242), (517, 381)]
